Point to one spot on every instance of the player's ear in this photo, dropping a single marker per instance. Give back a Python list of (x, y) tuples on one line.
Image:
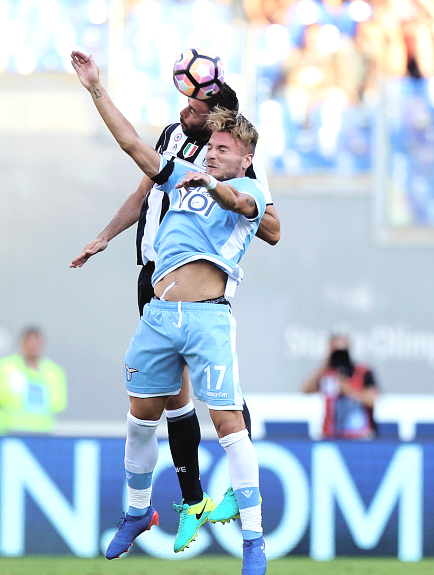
[(247, 161)]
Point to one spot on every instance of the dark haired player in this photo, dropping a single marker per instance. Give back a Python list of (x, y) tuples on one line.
[(185, 141)]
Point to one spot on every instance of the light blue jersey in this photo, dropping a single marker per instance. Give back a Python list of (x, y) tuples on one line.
[(196, 227)]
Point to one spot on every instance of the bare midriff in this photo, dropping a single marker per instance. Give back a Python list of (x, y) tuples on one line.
[(195, 281)]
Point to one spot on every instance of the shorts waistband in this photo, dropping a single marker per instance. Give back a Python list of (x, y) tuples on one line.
[(220, 303), (218, 300)]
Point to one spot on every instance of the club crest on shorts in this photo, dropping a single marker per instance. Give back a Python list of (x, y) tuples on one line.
[(130, 371)]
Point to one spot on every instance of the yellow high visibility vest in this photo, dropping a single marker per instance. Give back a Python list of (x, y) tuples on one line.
[(30, 398)]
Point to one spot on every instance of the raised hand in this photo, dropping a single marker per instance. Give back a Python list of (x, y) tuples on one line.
[(89, 250), (193, 180), (87, 70)]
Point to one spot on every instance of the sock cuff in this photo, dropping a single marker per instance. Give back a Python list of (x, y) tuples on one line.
[(137, 478), (233, 438), (142, 422), (181, 412)]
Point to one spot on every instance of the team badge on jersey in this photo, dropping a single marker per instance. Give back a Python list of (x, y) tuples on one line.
[(177, 137), (189, 150)]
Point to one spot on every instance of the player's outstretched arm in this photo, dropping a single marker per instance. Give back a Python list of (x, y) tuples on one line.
[(127, 215), (269, 228), (124, 133), (226, 196)]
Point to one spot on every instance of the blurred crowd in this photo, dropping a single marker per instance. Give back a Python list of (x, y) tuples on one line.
[(349, 44), (310, 73), (320, 99), (394, 37)]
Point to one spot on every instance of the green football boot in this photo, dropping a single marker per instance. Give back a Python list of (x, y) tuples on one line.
[(191, 518), (227, 510)]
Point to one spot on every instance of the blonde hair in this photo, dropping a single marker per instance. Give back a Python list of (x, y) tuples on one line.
[(223, 120)]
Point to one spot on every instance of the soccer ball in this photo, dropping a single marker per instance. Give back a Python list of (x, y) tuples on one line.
[(198, 74)]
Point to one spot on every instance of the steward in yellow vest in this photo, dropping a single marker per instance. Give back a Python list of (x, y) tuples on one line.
[(32, 388)]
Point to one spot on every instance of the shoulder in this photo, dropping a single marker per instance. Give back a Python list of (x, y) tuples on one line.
[(8, 360), (367, 374), (257, 171), (172, 170), (171, 128), (182, 167), (52, 367), (170, 132), (248, 186)]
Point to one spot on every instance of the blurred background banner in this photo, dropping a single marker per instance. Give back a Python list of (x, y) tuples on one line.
[(342, 93), (63, 495)]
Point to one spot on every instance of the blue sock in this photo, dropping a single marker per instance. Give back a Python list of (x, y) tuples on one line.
[(249, 535)]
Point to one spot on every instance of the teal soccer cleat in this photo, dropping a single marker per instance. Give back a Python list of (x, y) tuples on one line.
[(191, 518), (227, 509)]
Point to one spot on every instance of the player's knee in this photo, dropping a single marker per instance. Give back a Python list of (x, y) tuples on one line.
[(228, 422), (149, 409), (178, 401)]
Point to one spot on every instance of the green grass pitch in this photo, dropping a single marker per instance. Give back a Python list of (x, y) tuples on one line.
[(207, 565)]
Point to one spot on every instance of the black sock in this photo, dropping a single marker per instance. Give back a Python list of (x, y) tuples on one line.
[(246, 415), (184, 439)]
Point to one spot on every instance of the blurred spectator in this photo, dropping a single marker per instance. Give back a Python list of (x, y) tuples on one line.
[(418, 31), (310, 73), (32, 387), (398, 40), (321, 71), (264, 12), (381, 42), (349, 390), (333, 13)]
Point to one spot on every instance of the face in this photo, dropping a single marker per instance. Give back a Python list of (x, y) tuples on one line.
[(193, 119), (32, 345), (226, 157), (339, 342)]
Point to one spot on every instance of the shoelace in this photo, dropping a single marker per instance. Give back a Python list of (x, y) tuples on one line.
[(249, 543), (178, 508), (122, 521)]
